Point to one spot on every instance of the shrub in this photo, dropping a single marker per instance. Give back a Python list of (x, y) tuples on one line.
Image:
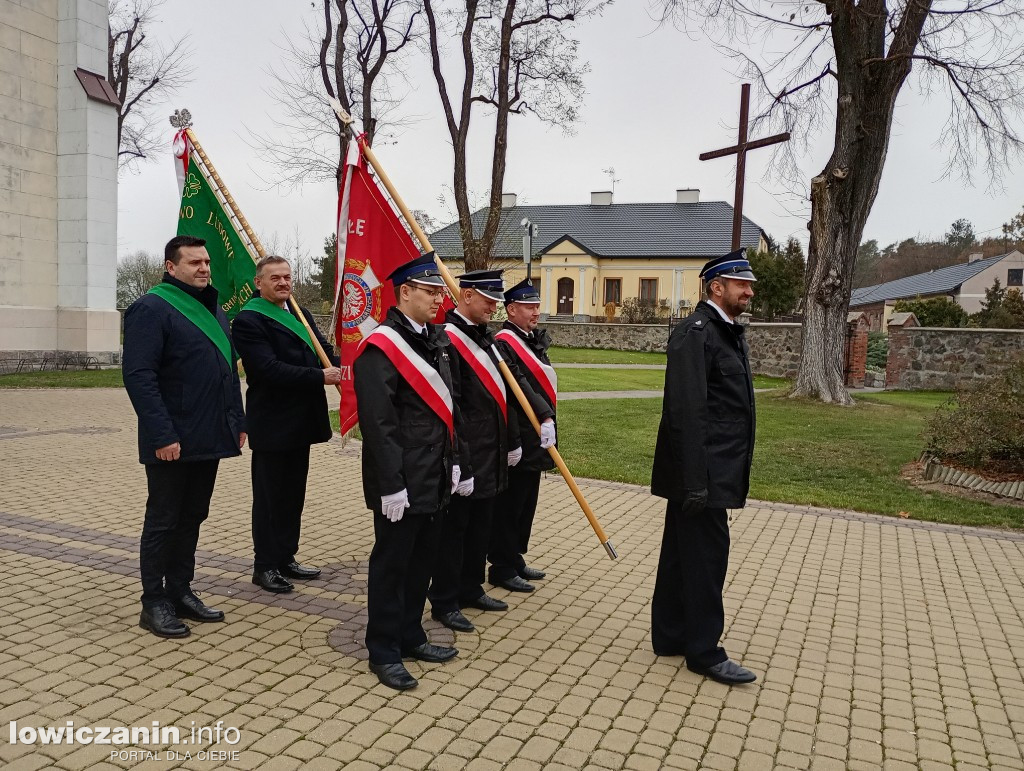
[(878, 350), (934, 312), (982, 426), (636, 311)]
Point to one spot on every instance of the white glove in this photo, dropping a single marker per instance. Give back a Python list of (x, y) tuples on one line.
[(465, 487), (547, 434), (515, 456), (456, 476), (393, 506)]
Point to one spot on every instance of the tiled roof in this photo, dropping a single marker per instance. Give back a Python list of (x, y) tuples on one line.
[(702, 230), (938, 281)]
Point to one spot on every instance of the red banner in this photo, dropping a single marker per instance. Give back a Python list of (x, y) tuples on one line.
[(371, 244)]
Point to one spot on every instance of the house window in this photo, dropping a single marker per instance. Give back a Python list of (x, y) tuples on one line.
[(613, 291), (649, 289), (536, 284), (1015, 277)]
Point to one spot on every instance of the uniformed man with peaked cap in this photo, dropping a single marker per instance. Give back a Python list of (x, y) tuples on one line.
[(702, 466), (491, 435), (408, 421), (522, 341)]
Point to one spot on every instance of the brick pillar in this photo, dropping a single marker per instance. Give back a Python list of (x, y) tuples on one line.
[(900, 327), (855, 352)]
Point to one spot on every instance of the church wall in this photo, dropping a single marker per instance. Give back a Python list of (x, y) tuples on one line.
[(58, 182), (28, 175)]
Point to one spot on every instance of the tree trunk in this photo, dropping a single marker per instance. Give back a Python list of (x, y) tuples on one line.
[(843, 193)]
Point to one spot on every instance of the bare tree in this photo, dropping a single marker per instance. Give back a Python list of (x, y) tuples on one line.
[(142, 73), (354, 53), (137, 274), (851, 60), (516, 58)]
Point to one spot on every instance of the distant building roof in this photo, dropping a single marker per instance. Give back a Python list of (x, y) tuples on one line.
[(615, 230), (938, 281)]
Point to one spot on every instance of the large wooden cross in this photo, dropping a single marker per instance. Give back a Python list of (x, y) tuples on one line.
[(740, 151)]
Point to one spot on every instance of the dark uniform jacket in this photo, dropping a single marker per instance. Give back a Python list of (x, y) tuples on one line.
[(534, 458), (484, 429), (706, 436), (285, 402), (405, 444), (181, 387)]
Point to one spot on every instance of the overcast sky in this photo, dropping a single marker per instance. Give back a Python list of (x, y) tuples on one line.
[(655, 99)]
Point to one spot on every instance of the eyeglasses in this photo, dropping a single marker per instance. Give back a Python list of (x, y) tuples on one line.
[(432, 292)]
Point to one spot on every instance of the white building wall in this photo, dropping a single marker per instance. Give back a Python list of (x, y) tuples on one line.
[(58, 181)]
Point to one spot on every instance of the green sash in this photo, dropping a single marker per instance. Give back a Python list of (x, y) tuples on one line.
[(282, 317), (197, 313)]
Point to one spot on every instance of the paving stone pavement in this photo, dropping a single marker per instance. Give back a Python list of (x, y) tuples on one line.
[(879, 642)]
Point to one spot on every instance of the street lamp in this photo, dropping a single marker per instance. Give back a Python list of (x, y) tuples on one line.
[(529, 231)]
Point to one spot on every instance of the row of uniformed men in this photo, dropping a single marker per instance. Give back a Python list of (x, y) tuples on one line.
[(436, 419), (451, 464)]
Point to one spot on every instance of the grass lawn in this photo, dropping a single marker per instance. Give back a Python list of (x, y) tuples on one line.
[(601, 356), (90, 378), (809, 453), (632, 380)]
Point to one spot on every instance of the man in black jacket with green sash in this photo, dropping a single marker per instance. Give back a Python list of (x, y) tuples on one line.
[(286, 412), (180, 374)]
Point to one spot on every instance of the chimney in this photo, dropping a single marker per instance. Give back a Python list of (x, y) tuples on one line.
[(975, 257), (508, 200), (688, 195), (601, 198)]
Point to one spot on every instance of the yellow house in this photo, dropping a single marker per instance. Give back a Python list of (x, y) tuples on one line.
[(585, 256)]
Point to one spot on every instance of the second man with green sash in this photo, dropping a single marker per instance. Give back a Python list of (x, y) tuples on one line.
[(286, 412)]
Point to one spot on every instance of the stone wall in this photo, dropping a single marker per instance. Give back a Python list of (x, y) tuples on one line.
[(774, 349), (943, 359), (622, 337), (919, 357)]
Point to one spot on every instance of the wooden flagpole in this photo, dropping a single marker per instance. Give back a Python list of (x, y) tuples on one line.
[(228, 201), (505, 371)]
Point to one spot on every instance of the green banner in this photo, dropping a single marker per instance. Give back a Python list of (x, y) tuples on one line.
[(201, 215)]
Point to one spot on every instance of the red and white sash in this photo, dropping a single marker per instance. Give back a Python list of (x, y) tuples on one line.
[(544, 373), (482, 364), (424, 379)]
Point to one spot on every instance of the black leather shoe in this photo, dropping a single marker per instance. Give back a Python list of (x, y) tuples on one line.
[(272, 581), (190, 606), (514, 584), (454, 620), (531, 574), (435, 654), (483, 602), (161, 621), (394, 676), (728, 672), (295, 570)]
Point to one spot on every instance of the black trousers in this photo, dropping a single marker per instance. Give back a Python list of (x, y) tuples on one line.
[(178, 502), (514, 509), (458, 574), (397, 585), (278, 495), (687, 614)]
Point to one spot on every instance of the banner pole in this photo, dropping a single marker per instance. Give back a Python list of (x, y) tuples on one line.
[(229, 201), (505, 371)]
